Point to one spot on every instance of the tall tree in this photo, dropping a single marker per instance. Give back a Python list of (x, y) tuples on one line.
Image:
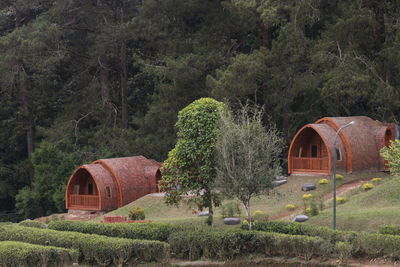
[(190, 166)]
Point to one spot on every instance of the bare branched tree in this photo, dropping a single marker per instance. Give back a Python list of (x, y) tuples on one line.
[(248, 155)]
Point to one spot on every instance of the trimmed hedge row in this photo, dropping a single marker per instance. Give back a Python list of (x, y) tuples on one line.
[(229, 243), (31, 223), (23, 254), (94, 249), (389, 230), (147, 231), (362, 244)]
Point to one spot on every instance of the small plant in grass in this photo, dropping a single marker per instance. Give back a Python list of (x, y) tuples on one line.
[(307, 196), (260, 216), (137, 213), (291, 207), (367, 186), (308, 211), (376, 180), (339, 177), (341, 200), (314, 208), (323, 181)]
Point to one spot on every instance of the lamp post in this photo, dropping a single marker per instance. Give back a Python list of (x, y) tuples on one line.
[(334, 171)]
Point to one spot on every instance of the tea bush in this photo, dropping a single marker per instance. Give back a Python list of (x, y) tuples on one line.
[(22, 254), (370, 245), (137, 213), (31, 223), (389, 230), (147, 231), (94, 249), (230, 243)]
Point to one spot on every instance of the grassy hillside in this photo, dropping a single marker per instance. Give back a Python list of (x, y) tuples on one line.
[(366, 211), (273, 205)]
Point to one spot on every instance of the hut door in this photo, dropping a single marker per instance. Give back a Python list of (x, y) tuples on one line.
[(314, 151)]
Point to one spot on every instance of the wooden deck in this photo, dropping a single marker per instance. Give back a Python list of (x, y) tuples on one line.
[(313, 165), (84, 202)]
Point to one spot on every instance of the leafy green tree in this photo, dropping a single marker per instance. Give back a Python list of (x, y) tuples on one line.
[(391, 154), (190, 166), (247, 155)]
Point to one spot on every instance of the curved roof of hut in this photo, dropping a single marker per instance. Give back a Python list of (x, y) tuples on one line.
[(362, 141), (134, 176)]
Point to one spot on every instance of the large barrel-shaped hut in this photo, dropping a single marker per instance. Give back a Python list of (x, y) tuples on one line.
[(108, 184), (357, 146)]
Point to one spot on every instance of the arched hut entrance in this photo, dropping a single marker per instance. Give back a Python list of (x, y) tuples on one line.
[(82, 191), (308, 153)]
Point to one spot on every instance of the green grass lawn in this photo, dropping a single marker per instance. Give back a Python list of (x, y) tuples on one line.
[(366, 211), (272, 204)]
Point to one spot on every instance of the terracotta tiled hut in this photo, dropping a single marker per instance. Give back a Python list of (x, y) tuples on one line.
[(108, 184), (358, 146)]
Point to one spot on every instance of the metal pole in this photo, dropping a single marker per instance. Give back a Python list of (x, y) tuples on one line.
[(334, 172), (334, 180)]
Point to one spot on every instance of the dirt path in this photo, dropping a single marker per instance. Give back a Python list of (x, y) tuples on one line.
[(340, 190)]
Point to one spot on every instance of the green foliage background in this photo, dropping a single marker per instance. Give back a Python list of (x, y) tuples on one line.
[(107, 78)]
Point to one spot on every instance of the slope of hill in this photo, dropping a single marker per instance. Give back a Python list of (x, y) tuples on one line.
[(273, 204), (366, 211)]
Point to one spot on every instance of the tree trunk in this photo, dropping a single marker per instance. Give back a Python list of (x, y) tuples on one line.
[(246, 205), (22, 88), (124, 81), (105, 91)]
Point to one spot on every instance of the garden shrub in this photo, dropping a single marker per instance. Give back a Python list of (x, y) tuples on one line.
[(259, 216), (323, 181), (94, 249), (291, 207), (147, 231), (376, 180), (341, 200), (230, 209), (137, 213), (22, 254), (339, 177), (229, 243), (31, 223), (367, 186)]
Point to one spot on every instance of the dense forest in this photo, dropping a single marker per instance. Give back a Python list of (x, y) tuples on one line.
[(81, 80)]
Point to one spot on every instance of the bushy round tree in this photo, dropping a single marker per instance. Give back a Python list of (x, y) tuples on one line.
[(190, 167)]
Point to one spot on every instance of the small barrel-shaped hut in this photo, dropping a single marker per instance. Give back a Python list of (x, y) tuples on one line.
[(108, 184), (357, 148)]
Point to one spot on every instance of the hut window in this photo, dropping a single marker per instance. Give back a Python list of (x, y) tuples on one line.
[(90, 189), (108, 192), (314, 151), (338, 154), (76, 189)]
